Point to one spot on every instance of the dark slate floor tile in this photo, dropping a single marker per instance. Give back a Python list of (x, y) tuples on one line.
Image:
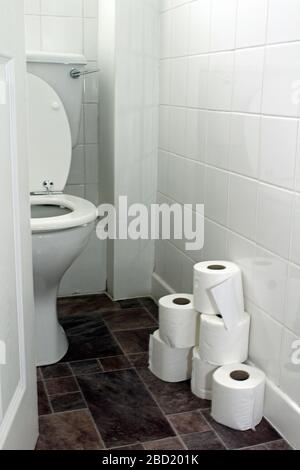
[(68, 402), (91, 366), (129, 319), (68, 431), (61, 385), (38, 374), (85, 304), (89, 338), (203, 441), (151, 306), (237, 440), (129, 303), (122, 408), (188, 423), (135, 341), (115, 363), (139, 360), (43, 402), (278, 445), (172, 398), (55, 371), (172, 443)]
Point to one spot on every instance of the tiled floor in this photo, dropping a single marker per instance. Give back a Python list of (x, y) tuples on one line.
[(102, 395)]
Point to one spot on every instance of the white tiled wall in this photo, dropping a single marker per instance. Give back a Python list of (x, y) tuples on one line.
[(229, 94), (72, 26)]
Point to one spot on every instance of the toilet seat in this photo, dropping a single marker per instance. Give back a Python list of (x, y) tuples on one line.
[(82, 212)]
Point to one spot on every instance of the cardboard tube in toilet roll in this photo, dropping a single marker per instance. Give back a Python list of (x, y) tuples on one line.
[(219, 346), (238, 396), (202, 374), (178, 321), (169, 364), (210, 275)]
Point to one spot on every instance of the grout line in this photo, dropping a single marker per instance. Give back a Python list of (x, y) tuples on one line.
[(161, 410), (217, 434), (91, 416)]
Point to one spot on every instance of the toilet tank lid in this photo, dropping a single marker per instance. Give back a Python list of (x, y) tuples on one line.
[(55, 58)]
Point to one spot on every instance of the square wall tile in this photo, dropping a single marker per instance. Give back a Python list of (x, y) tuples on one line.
[(61, 34), (265, 340), (274, 219), (32, 7), (251, 23), (248, 80), (91, 85), (284, 21), (193, 183), (90, 8), (270, 281), (242, 206), (92, 193), (242, 252), (176, 178), (196, 134), (220, 81), (91, 164), (281, 82), (177, 119), (163, 172), (223, 24), (179, 68), (180, 31), (297, 176), (90, 38), (91, 123), (165, 81), (215, 241), (61, 7), (295, 245), (199, 27), (245, 144), (33, 32), (292, 315), (278, 151), (166, 34), (216, 195), (290, 354), (198, 67), (164, 130), (76, 175), (218, 139)]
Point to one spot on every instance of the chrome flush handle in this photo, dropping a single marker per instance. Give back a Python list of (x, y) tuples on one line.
[(76, 73)]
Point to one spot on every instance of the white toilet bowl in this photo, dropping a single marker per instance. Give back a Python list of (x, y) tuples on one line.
[(61, 225), (61, 228)]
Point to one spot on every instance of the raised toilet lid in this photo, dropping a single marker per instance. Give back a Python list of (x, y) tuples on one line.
[(50, 144)]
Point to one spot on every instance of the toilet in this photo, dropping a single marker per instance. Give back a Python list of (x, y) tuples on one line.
[(61, 225)]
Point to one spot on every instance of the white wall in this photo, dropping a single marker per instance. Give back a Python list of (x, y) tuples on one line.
[(229, 137), (72, 26), (129, 43)]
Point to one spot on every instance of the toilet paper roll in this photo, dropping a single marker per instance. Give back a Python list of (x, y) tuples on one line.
[(238, 396), (220, 346), (169, 364), (202, 374), (178, 321), (218, 289)]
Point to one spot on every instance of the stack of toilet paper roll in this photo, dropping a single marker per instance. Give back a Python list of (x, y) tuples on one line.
[(224, 325), (171, 347)]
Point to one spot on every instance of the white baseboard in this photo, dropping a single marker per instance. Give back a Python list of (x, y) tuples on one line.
[(282, 412), (160, 288)]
